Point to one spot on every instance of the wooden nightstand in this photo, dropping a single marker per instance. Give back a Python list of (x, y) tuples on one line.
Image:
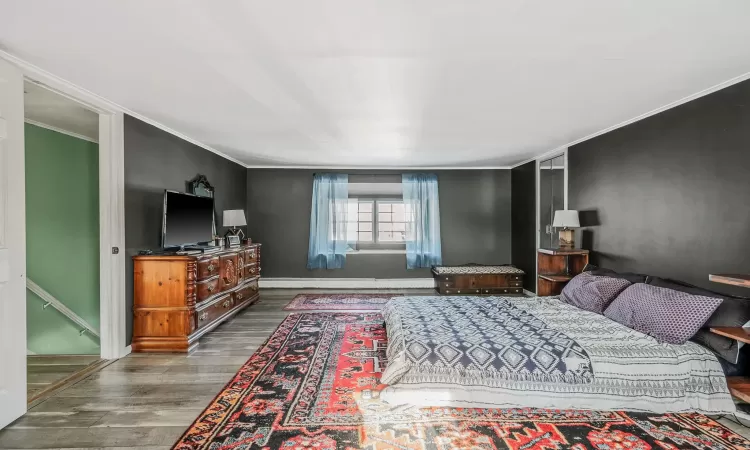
[(557, 267), (739, 387)]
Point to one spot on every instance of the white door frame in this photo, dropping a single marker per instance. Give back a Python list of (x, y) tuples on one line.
[(113, 311), (12, 247)]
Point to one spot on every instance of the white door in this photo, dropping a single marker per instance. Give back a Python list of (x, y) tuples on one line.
[(12, 247)]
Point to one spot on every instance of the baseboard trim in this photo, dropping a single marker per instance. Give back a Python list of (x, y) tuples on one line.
[(346, 283), (529, 293)]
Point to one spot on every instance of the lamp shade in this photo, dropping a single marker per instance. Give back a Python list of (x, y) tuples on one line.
[(234, 218), (566, 218)]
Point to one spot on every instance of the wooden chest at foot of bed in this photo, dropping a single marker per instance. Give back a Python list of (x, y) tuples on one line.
[(474, 279)]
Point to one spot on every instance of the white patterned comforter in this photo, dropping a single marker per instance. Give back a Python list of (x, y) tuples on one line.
[(632, 371)]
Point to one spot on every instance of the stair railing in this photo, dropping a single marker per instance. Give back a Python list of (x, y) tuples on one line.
[(50, 300)]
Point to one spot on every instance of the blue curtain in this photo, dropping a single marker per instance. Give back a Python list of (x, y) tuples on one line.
[(423, 220), (328, 221)]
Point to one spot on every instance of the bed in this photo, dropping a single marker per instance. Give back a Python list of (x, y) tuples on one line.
[(539, 352)]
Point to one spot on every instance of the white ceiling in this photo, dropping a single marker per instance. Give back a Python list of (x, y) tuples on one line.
[(47, 108), (398, 83)]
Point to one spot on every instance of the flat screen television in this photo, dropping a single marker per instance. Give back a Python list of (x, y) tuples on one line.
[(188, 219)]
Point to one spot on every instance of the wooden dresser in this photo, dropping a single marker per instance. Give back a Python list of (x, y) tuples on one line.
[(478, 279), (177, 299)]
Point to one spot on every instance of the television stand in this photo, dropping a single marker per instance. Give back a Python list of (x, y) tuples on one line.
[(177, 299)]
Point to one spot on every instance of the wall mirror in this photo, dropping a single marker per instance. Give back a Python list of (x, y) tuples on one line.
[(551, 198), (200, 186)]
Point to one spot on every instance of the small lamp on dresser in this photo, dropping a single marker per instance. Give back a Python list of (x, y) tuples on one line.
[(566, 219), (234, 218)]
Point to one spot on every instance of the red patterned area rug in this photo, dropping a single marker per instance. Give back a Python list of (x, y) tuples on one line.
[(318, 302), (315, 384)]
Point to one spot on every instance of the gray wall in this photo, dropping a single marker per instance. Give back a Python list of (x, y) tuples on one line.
[(523, 221), (668, 195), (474, 210), (155, 161)]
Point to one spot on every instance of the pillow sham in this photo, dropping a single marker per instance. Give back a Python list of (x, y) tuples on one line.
[(734, 311), (667, 315), (592, 293)]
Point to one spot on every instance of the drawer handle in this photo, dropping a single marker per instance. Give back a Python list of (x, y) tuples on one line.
[(254, 288), (211, 288), (239, 296), (226, 304), (203, 316), (211, 267)]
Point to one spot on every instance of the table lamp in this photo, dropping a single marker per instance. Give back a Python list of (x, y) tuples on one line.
[(234, 218), (566, 219)]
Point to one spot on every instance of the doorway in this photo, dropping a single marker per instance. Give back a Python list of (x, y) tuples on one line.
[(16, 76), (62, 239)]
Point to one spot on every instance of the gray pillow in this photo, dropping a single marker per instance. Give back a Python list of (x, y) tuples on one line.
[(733, 312), (592, 293), (669, 316)]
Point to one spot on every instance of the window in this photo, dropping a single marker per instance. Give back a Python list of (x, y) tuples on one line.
[(362, 224), (391, 221), (377, 224)]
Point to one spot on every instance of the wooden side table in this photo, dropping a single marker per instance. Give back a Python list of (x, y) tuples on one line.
[(739, 387), (557, 267)]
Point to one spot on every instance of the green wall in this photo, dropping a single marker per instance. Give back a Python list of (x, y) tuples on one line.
[(62, 239)]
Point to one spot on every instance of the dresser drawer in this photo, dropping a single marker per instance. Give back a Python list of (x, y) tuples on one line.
[(207, 268), (207, 288), (205, 316), (454, 291), (252, 270), (504, 291), (251, 255), (248, 291), (507, 291)]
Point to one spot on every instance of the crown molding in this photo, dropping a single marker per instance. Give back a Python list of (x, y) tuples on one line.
[(61, 131), (394, 168), (70, 90), (710, 90)]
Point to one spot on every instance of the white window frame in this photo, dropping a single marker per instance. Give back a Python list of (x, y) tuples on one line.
[(377, 246)]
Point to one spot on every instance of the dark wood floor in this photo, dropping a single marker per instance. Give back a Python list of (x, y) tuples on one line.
[(147, 401)]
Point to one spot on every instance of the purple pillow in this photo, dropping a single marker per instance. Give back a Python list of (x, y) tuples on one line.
[(592, 293), (669, 316)]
